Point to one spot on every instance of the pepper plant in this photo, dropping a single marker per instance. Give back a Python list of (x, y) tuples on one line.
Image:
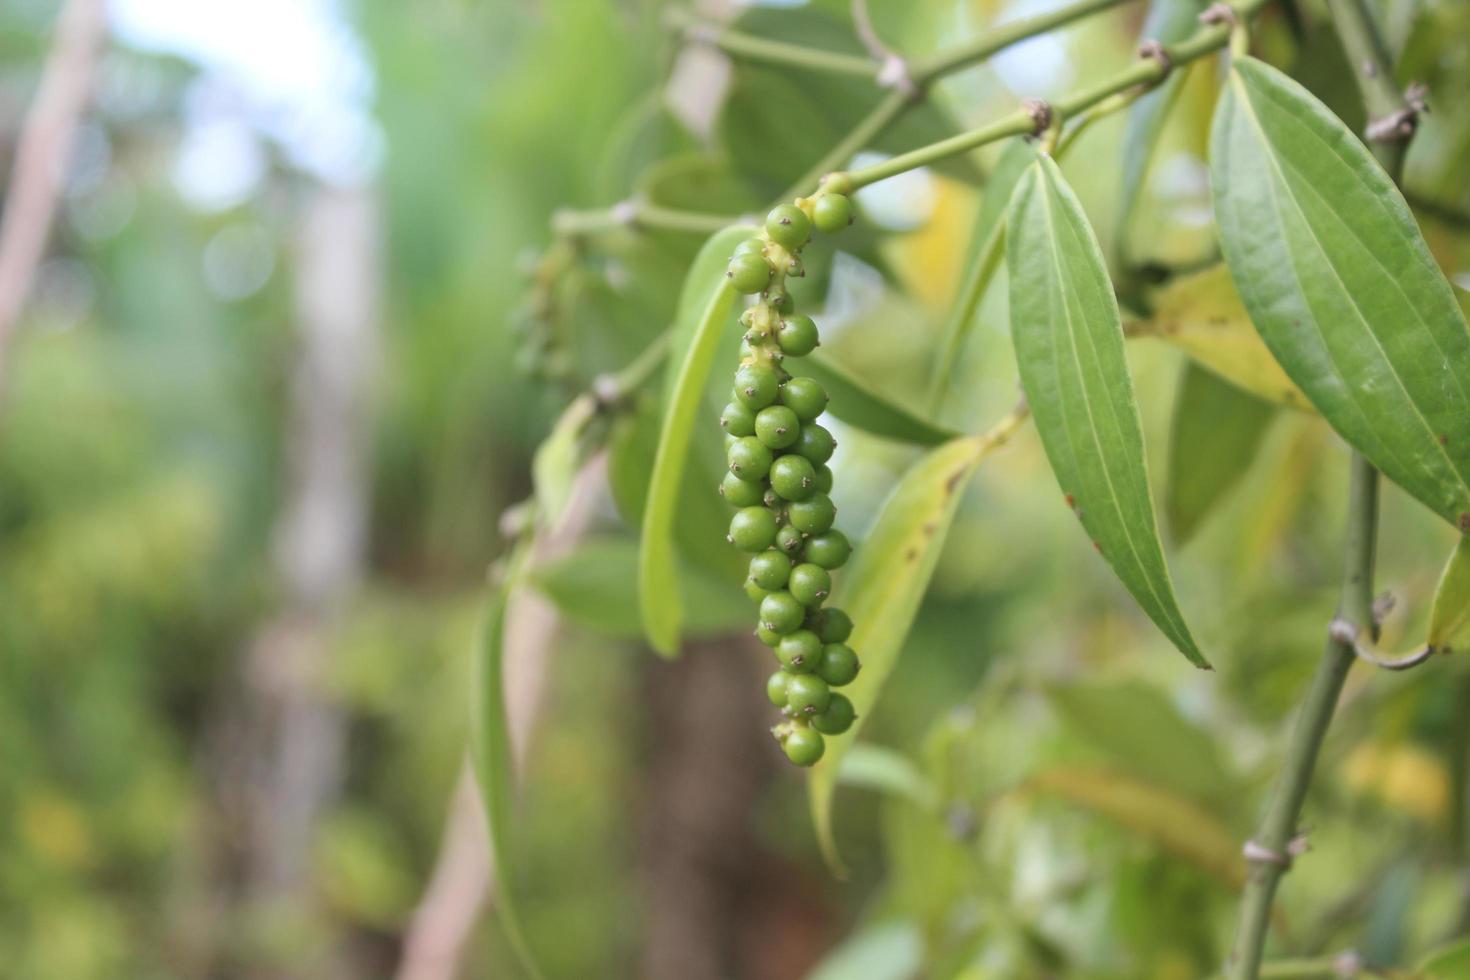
[(1318, 294)]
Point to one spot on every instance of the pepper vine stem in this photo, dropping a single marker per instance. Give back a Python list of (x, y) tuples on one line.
[(637, 214), (1143, 74), (1384, 100), (1272, 841), (764, 50), (751, 47), (924, 71)]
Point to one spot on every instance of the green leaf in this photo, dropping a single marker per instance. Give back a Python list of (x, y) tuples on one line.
[(861, 407), (1175, 825), (701, 516), (556, 462), (704, 307), (890, 951), (1069, 349), (1450, 615), (1449, 963), (1216, 435), (491, 751), (1201, 314), (986, 240), (594, 586), (1140, 731), (1341, 286), (887, 771), (882, 590)]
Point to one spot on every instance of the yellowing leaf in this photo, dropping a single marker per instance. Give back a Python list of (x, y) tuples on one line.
[(1201, 314), (1449, 618), (884, 585)]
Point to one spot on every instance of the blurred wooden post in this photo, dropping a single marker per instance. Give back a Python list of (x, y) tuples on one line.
[(42, 153), (281, 746)]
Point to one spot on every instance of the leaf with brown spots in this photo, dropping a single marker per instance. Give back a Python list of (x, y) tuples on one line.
[(1340, 284), (1069, 350)]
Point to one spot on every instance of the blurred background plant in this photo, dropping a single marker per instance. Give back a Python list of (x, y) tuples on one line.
[(301, 324)]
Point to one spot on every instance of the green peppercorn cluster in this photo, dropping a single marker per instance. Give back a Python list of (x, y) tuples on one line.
[(779, 481)]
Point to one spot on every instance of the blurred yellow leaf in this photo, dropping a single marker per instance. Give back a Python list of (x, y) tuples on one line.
[(54, 827), (927, 261), (1405, 777)]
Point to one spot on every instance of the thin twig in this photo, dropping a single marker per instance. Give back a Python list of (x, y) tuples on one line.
[(1144, 73), (41, 156)]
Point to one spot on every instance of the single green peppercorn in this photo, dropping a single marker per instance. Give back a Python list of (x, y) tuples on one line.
[(829, 549), (777, 426), (838, 717), (805, 397), (797, 335), (751, 246), (807, 694), (770, 570), (838, 665), (789, 539), (767, 636), (799, 652), (741, 493), (784, 304), (824, 479), (809, 584), (773, 500), (738, 420), (831, 213), (812, 515), (749, 458), (815, 443), (754, 591), (803, 746), (757, 386), (780, 613), (788, 226), (836, 626), (792, 476), (776, 688), (748, 273), (753, 529)]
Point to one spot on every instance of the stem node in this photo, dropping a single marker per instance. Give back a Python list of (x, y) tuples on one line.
[(1156, 50), (1040, 112)]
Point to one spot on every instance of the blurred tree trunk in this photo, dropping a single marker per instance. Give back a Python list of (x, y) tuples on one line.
[(281, 748), (718, 904)]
